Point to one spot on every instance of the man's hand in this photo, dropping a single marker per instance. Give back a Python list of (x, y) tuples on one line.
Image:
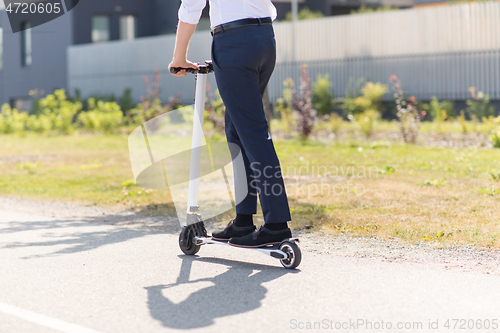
[(183, 64)]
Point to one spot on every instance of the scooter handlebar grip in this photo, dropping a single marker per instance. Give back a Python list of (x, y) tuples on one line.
[(175, 70)]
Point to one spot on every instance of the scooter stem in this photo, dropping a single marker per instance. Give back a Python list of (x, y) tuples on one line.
[(194, 173)]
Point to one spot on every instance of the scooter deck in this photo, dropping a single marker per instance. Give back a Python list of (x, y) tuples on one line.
[(272, 250), (209, 240)]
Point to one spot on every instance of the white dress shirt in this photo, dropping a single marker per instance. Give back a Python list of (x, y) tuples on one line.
[(223, 11)]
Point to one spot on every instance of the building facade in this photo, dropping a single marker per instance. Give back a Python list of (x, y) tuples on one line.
[(34, 61), (340, 7)]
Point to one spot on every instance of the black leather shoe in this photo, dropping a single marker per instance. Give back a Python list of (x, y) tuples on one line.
[(232, 231), (261, 238)]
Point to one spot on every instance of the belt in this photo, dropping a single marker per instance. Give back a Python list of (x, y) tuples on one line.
[(241, 23)]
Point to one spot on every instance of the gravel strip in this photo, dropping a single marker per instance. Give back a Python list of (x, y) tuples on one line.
[(461, 258)]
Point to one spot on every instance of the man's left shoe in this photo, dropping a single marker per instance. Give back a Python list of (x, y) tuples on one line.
[(261, 237)]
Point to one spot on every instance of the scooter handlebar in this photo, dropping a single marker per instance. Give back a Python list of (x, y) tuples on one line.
[(175, 70), (203, 69)]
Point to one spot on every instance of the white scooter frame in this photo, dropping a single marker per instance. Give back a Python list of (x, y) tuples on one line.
[(193, 233)]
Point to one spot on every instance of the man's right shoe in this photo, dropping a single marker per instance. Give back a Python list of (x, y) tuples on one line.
[(261, 238), (232, 231)]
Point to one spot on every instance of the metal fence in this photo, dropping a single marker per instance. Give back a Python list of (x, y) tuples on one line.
[(437, 51)]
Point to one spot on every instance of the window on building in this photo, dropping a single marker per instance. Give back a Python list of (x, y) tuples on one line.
[(26, 43), (128, 27), (23, 104), (100, 28)]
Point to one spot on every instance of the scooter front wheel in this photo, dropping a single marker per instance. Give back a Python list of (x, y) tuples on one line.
[(293, 252), (186, 241)]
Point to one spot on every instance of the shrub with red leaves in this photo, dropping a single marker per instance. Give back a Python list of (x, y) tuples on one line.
[(407, 112), (304, 112)]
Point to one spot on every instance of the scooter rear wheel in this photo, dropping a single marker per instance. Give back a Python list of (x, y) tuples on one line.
[(293, 251), (186, 241)]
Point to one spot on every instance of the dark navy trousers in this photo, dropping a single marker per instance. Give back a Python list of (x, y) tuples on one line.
[(244, 59)]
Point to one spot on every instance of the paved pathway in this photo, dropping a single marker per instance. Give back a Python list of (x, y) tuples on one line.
[(68, 274)]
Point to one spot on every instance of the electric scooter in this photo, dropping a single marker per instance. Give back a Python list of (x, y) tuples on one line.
[(194, 234)]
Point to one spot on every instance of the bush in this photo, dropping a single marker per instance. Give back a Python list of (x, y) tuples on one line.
[(488, 125), (102, 116), (305, 14), (369, 99), (365, 109), (39, 124), (11, 121), (336, 123), (367, 120), (495, 138), (214, 110), (304, 112), (126, 102), (151, 105), (440, 110), (479, 106), (59, 110), (364, 9), (408, 114), (283, 106), (147, 110), (463, 122), (352, 91), (322, 98)]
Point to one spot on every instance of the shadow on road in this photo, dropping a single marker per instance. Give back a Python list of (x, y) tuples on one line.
[(74, 234), (235, 291)]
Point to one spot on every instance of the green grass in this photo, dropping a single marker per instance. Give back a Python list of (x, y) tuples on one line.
[(427, 192), (87, 169), (407, 192)]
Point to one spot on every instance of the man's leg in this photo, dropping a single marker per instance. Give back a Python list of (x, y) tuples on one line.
[(248, 206), (239, 57), (243, 61)]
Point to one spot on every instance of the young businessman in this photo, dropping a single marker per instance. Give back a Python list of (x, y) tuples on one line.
[(244, 56)]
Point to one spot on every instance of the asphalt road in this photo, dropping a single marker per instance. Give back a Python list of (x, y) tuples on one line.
[(72, 275)]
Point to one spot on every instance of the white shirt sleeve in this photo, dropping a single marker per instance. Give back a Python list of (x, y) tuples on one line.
[(190, 10)]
